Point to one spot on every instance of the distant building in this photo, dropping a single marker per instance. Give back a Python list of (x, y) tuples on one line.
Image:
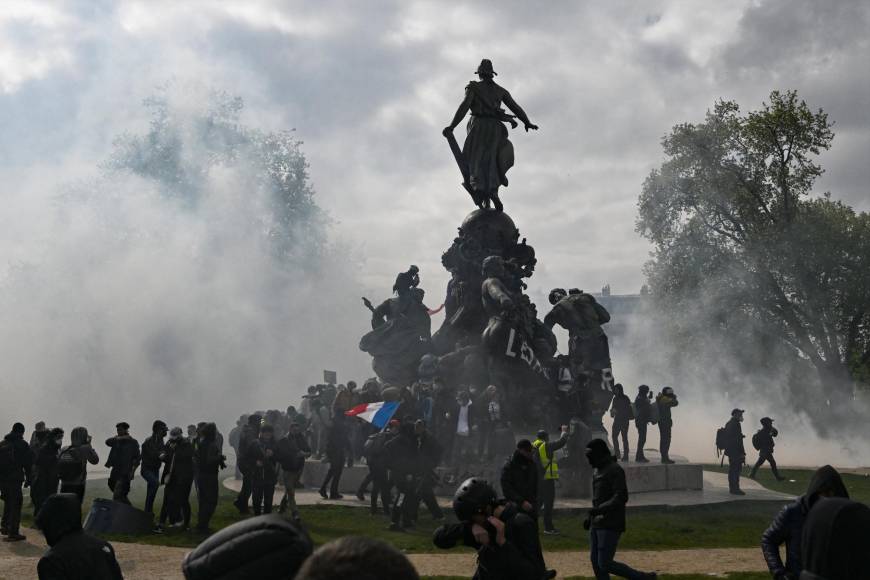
[(626, 311)]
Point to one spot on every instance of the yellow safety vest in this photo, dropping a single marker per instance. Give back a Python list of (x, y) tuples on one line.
[(551, 467)]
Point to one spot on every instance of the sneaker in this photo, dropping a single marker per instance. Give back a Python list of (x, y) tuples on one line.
[(553, 532), (14, 538), (323, 494), (360, 496), (335, 496), (549, 574), (737, 492), (158, 529)]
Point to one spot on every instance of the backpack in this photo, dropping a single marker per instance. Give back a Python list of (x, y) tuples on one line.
[(721, 440), (654, 414), (756, 440), (69, 465), (7, 457)]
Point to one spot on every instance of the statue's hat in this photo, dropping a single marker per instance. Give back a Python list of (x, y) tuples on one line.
[(486, 67)]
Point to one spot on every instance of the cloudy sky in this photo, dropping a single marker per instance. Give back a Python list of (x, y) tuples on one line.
[(369, 85)]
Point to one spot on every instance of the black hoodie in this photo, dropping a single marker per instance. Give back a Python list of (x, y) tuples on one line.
[(73, 553), (519, 479), (788, 525), (836, 541)]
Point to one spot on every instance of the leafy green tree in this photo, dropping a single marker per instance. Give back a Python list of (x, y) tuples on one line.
[(743, 250)]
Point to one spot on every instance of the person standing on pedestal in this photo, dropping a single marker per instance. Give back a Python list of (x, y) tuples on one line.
[(641, 420), (666, 401), (620, 410)]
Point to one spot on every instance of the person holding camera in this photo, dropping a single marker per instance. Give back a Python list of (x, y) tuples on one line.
[(666, 400), (606, 519)]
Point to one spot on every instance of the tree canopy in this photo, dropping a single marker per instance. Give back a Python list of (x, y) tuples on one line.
[(743, 244)]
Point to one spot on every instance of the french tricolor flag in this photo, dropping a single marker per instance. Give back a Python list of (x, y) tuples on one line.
[(378, 414)]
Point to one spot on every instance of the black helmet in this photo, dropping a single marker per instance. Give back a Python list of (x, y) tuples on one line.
[(472, 497)]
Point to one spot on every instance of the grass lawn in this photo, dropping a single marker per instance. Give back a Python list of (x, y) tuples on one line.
[(858, 485), (729, 525)]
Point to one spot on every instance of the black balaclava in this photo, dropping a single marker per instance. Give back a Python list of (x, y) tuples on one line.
[(598, 453)]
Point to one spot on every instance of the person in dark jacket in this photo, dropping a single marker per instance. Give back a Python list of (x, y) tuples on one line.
[(152, 448), (735, 451), (246, 464), (265, 473), (45, 475), (642, 418), (336, 449), (178, 479), (266, 547), (209, 460), (72, 478), (73, 554), (506, 540), (666, 400), (16, 462), (429, 452), (375, 452), (620, 410), (765, 444), (404, 464), (606, 520), (37, 439), (836, 541), (519, 479), (123, 460), (292, 451), (787, 526)]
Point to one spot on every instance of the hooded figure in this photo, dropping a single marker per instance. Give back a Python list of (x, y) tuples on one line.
[(788, 525), (73, 554), (836, 541)]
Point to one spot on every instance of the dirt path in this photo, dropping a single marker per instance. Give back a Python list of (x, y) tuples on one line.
[(143, 562)]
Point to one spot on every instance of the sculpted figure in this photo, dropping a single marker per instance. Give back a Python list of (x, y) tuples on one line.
[(487, 154)]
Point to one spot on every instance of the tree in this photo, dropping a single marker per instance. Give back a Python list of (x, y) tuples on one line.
[(741, 243)]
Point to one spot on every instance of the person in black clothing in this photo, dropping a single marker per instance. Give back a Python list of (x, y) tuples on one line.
[(666, 400), (16, 462), (152, 448), (37, 439), (73, 554), (209, 460), (506, 540), (519, 479), (404, 465), (246, 465), (73, 461), (787, 527), (178, 478), (376, 458), (606, 520), (123, 461), (763, 442), (836, 541), (336, 448), (642, 414), (292, 450), (620, 410), (265, 473), (430, 454), (735, 451), (45, 475)]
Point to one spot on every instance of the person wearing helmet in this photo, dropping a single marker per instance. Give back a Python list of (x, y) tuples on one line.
[(763, 442), (506, 540)]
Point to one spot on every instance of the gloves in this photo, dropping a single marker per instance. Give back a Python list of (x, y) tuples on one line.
[(587, 523)]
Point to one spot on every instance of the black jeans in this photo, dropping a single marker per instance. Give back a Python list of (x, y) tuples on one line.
[(152, 476), (641, 438), (735, 466), (245, 492), (620, 429), (13, 499), (333, 477), (548, 498), (405, 503), (426, 494), (765, 455), (176, 501), (380, 487), (602, 550), (207, 483), (263, 494), (665, 442)]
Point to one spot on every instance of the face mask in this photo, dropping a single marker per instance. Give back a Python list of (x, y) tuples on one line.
[(59, 441)]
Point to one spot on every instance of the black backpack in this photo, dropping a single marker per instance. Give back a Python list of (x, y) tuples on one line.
[(69, 465), (721, 440), (7, 457), (756, 440)]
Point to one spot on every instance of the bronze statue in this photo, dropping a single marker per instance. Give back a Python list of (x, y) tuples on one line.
[(487, 154)]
